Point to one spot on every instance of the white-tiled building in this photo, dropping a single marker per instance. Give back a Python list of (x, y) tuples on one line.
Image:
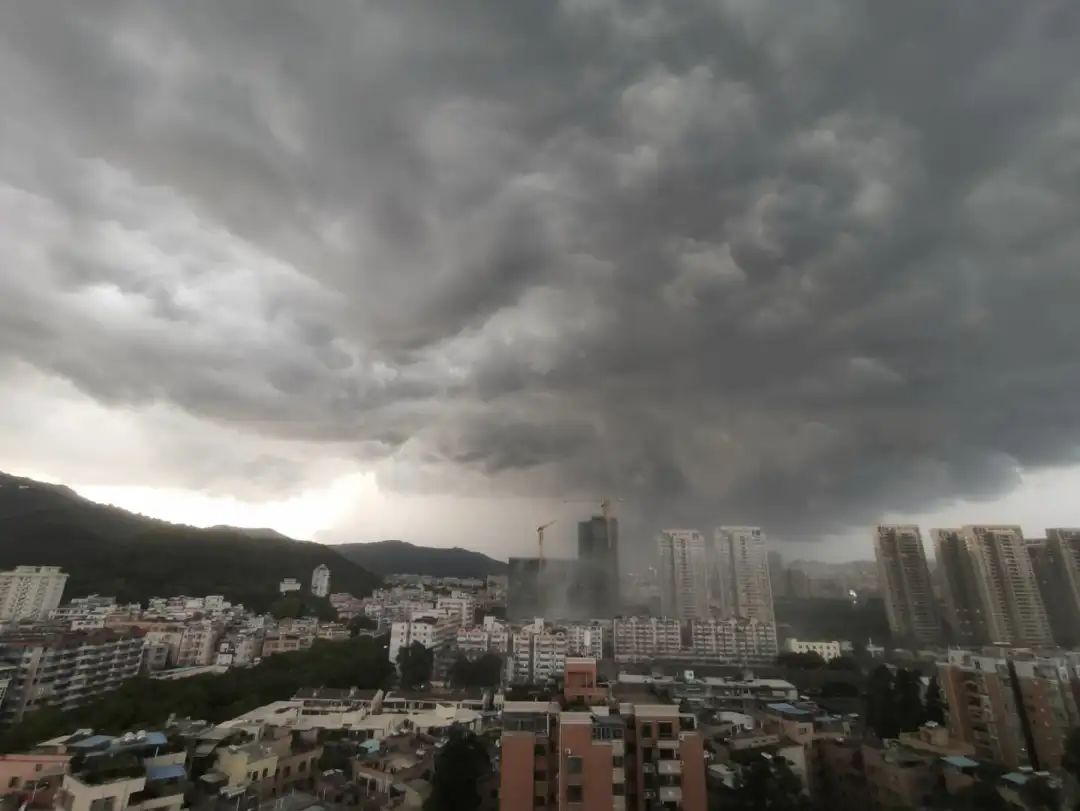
[(733, 639), (320, 581), (642, 638), (538, 654), (30, 592), (827, 650), (433, 634), (461, 604)]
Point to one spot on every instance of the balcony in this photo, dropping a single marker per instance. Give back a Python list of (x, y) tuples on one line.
[(670, 794), (669, 767)]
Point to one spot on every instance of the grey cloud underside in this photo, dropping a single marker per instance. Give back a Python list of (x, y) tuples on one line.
[(795, 263)]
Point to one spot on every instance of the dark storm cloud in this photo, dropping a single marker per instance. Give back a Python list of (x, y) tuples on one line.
[(799, 263)]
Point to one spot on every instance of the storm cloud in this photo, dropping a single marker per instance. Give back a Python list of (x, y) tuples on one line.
[(796, 264)]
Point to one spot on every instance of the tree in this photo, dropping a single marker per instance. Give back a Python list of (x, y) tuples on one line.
[(809, 661), (1037, 793), (935, 707), (485, 671), (909, 707), (361, 623), (843, 663), (459, 767), (1070, 759), (880, 703), (765, 783), (414, 665), (144, 703)]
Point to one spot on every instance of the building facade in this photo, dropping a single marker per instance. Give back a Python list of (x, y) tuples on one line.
[(598, 558), (1063, 578), (1013, 707), (733, 639), (739, 574), (826, 649), (991, 590), (905, 583), (30, 592), (65, 670), (638, 639), (627, 758), (684, 577), (320, 581)]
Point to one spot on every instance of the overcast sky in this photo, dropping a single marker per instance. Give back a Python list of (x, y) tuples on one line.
[(427, 269)]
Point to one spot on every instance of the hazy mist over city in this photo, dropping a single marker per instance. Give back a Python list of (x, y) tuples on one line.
[(447, 271)]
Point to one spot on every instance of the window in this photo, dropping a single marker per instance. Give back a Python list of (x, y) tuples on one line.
[(646, 730), (574, 794), (617, 761), (303, 766), (573, 765), (540, 749), (13, 783), (539, 776), (288, 770), (539, 802), (266, 773), (666, 731), (618, 789), (38, 767)]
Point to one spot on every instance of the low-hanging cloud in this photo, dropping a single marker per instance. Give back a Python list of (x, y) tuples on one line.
[(800, 264)]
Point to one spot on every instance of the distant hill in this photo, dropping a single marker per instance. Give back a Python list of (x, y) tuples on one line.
[(252, 532), (107, 550), (400, 557)]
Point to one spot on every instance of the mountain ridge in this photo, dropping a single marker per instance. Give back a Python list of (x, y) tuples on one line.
[(402, 557), (108, 550)]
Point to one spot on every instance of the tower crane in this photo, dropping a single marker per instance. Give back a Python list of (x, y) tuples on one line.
[(540, 539), (607, 508)]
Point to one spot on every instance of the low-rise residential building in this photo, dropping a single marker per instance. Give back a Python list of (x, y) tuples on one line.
[(277, 642), (433, 633), (32, 778), (332, 631), (827, 650)]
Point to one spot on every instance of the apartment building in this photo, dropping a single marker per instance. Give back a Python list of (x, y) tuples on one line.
[(239, 649), (991, 591), (905, 583), (733, 639), (684, 577), (491, 637), (434, 633), (30, 592), (65, 670), (537, 654), (128, 773), (628, 757), (1014, 707), (585, 640), (1063, 576), (320, 581), (32, 779), (461, 605), (281, 641), (739, 573), (639, 639), (198, 643)]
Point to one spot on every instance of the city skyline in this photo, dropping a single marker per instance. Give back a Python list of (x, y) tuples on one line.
[(677, 255)]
